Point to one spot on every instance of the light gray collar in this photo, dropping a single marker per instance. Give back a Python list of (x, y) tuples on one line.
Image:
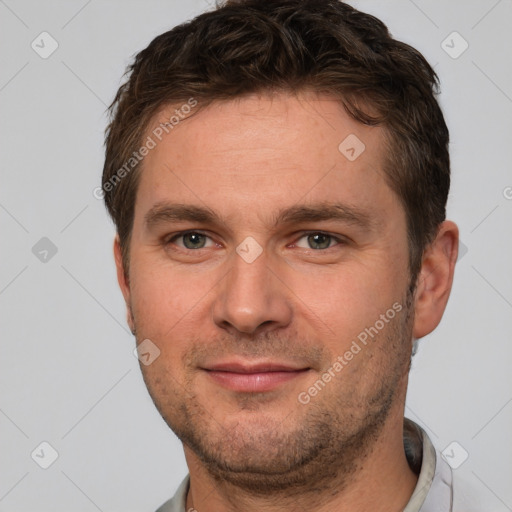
[(433, 491)]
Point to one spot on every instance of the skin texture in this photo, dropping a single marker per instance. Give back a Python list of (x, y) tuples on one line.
[(302, 302)]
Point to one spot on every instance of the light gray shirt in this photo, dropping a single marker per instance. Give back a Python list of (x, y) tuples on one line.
[(434, 491)]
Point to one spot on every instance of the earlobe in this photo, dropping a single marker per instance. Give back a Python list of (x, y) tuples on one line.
[(122, 279), (435, 279)]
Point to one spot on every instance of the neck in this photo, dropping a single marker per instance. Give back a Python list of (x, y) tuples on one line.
[(384, 471)]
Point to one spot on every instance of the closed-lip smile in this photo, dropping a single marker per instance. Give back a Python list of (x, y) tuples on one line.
[(252, 377)]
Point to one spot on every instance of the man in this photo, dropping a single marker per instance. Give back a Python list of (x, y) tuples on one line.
[(278, 173)]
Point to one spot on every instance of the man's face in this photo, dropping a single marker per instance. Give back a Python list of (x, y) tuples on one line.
[(260, 299)]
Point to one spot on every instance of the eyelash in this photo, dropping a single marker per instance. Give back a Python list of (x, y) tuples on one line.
[(170, 240)]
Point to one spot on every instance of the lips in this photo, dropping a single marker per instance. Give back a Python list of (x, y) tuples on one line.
[(252, 377), (252, 368)]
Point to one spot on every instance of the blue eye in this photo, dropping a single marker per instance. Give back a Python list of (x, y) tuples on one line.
[(191, 240), (194, 240), (318, 241)]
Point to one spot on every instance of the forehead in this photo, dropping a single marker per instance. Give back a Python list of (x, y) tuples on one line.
[(263, 153), (250, 123)]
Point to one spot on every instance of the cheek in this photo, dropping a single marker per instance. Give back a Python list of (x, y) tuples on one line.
[(342, 302), (164, 299), (165, 306)]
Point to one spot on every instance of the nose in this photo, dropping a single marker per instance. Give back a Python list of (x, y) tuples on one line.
[(252, 298)]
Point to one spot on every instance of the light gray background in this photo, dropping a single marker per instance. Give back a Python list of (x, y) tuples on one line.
[(67, 372)]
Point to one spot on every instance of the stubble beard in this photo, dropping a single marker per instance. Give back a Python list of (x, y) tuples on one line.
[(322, 449)]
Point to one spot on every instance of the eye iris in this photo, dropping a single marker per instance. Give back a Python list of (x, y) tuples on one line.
[(197, 241), (193, 240), (319, 239)]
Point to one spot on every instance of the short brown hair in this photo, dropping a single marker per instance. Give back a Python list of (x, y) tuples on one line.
[(252, 46)]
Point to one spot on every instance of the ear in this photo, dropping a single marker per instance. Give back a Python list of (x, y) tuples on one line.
[(435, 279), (122, 279)]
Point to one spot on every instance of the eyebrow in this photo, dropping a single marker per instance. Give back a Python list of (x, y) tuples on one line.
[(165, 212)]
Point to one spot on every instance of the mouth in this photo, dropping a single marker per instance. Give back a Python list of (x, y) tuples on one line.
[(253, 378)]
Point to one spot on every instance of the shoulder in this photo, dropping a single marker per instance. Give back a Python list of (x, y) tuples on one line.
[(465, 497)]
